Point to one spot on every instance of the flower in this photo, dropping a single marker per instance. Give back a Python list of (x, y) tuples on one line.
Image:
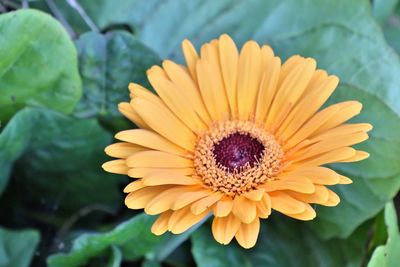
[(236, 135)]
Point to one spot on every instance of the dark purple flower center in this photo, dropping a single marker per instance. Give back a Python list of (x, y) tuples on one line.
[(236, 150)]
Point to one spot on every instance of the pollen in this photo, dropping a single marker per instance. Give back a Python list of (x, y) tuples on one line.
[(235, 157)]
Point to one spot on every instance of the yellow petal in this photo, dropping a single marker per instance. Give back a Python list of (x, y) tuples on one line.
[(161, 120), (204, 204), (127, 110), (229, 57), (317, 175), (342, 130), (312, 125), (284, 203), (183, 219), (141, 172), (139, 91), (292, 88), (123, 150), (188, 88), (174, 99), (158, 159), (333, 199), (344, 180), (349, 110), (330, 144), (210, 54), (165, 178), (116, 166), (308, 105), (160, 226), (134, 186), (358, 156), (255, 195), (212, 90), (191, 57), (223, 207), (264, 207), (225, 228), (268, 88), (336, 155), (320, 195), (189, 197), (294, 183), (150, 139), (247, 234), (306, 215), (244, 209), (289, 65), (139, 199), (164, 200), (249, 78)]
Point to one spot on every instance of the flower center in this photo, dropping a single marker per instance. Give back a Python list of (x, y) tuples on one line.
[(237, 150), (235, 157)]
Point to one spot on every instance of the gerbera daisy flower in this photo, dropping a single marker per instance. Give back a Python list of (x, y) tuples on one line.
[(234, 135)]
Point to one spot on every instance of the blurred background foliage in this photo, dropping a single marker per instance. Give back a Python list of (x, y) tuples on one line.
[(66, 64)]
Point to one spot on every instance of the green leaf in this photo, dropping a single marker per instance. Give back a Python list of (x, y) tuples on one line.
[(282, 242), (382, 9), (135, 233), (388, 255), (108, 63), (57, 160), (17, 247), (38, 64), (344, 38)]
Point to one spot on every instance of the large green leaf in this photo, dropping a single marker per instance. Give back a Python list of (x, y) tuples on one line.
[(388, 255), (57, 161), (108, 63), (38, 65), (344, 38), (282, 242), (17, 247), (134, 233)]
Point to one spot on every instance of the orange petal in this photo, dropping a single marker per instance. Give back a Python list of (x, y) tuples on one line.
[(116, 166), (189, 197), (183, 219), (223, 207), (229, 57), (191, 57), (306, 215), (165, 178), (150, 139), (205, 203), (333, 199), (158, 159), (141, 172), (123, 150), (225, 228), (320, 195), (140, 198), (248, 233), (134, 186), (317, 175), (244, 209), (295, 183), (255, 195), (284, 203), (160, 226), (127, 110)]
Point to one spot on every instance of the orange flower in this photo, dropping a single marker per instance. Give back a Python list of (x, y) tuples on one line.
[(236, 135)]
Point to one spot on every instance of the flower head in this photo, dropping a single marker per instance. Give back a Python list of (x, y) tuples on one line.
[(236, 135)]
